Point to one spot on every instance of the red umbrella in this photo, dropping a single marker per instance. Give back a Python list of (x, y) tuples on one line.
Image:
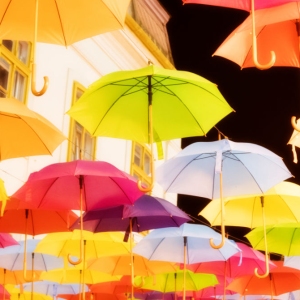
[(80, 185)]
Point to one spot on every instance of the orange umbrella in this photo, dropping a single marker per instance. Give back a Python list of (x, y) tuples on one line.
[(95, 296), (277, 30), (280, 280)]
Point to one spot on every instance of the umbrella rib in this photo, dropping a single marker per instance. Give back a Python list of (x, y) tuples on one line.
[(60, 21), (290, 244), (120, 96)]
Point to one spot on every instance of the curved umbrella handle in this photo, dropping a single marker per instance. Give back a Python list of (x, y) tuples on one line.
[(147, 189), (294, 124), (33, 83), (254, 45), (266, 243)]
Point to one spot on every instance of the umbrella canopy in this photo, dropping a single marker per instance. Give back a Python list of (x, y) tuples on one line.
[(243, 4), (146, 213), (53, 288), (26, 132), (7, 240), (292, 261), (102, 184), (76, 275), (121, 265), (233, 266), (4, 294), (61, 244), (58, 22), (157, 244), (281, 205), (276, 29), (17, 277), (174, 281), (95, 296), (182, 102), (281, 280), (280, 238), (222, 169), (11, 258), (32, 221), (28, 296)]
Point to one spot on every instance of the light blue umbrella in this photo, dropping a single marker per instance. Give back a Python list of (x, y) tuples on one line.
[(187, 244), (12, 258)]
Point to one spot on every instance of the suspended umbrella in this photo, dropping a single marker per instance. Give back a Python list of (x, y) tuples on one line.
[(96, 296), (146, 213), (91, 184), (221, 169), (176, 281), (7, 240), (278, 205), (191, 242), (58, 22), (26, 132), (254, 7), (155, 105)]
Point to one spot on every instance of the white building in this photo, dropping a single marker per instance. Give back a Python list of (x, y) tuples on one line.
[(71, 70)]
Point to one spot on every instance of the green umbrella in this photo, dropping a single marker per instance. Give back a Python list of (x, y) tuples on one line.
[(174, 281), (149, 105), (281, 238)]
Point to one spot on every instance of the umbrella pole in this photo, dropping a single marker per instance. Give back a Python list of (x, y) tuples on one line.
[(33, 64), (83, 269), (150, 130), (131, 259), (266, 243), (184, 266), (254, 45), (81, 225), (222, 218), (25, 249)]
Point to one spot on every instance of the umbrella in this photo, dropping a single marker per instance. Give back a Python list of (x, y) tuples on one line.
[(91, 184), (7, 240), (254, 7), (95, 296), (58, 22), (176, 281), (53, 288), (76, 275), (120, 265), (191, 242), (280, 280), (3, 197), (17, 276), (221, 169), (150, 105), (12, 258), (279, 204), (4, 293), (26, 132), (280, 238), (233, 267)]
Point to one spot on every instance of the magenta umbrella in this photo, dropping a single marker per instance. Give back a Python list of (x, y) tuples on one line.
[(77, 185), (234, 266), (7, 240)]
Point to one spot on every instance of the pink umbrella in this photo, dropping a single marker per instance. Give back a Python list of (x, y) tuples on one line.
[(77, 185), (234, 266), (251, 6), (7, 240)]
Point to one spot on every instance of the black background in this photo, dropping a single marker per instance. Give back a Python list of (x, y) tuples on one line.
[(264, 101)]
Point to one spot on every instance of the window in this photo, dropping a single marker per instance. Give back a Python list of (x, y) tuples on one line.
[(14, 69), (82, 145), (141, 163)]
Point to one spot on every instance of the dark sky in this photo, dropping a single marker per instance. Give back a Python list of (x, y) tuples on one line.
[(264, 101)]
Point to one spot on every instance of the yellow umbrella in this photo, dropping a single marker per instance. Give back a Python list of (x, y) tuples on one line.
[(95, 244), (19, 294), (26, 132), (58, 22), (77, 275), (278, 205)]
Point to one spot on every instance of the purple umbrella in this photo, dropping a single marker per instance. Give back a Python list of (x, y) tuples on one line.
[(146, 213)]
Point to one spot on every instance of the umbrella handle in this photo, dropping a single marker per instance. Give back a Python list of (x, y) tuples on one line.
[(254, 45), (294, 124), (33, 83), (138, 285), (143, 189)]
